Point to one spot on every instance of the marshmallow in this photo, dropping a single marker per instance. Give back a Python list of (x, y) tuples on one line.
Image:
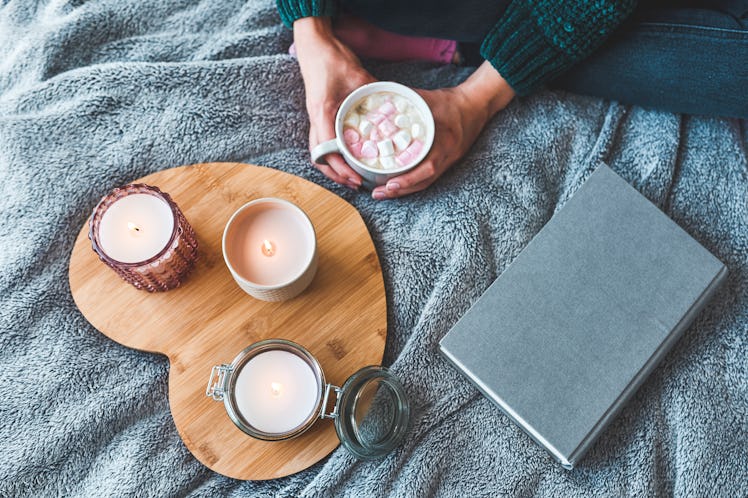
[(388, 162), (403, 158), (352, 120), (415, 147), (369, 149), (414, 115), (388, 109), (401, 139), (410, 154), (387, 128), (351, 136), (365, 127), (372, 162), (385, 147), (416, 130), (375, 135), (402, 121), (375, 117), (401, 104), (374, 100), (355, 149)]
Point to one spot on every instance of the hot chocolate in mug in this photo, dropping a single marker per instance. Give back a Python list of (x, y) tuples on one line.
[(382, 130)]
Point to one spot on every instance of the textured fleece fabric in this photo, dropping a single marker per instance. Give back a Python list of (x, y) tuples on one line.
[(96, 94)]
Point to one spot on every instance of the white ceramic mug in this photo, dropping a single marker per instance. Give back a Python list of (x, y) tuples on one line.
[(375, 176)]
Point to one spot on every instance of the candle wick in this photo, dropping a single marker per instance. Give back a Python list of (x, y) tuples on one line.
[(132, 226), (268, 249), (276, 389)]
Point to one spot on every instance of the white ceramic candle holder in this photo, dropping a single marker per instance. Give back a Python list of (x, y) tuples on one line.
[(270, 248)]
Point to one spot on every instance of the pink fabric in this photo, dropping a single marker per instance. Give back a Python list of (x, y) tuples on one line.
[(371, 42)]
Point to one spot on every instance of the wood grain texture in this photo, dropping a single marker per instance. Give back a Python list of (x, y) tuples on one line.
[(341, 318)]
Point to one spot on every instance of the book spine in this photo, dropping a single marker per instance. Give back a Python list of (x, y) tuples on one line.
[(504, 407)]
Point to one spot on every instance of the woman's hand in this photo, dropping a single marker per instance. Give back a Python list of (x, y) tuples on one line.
[(460, 113), (330, 71)]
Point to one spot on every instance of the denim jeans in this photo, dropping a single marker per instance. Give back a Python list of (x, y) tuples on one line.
[(681, 59)]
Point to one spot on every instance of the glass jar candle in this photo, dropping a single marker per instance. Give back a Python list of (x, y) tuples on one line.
[(139, 232), (275, 390)]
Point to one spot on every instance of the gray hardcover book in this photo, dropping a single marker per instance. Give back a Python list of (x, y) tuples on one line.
[(564, 337)]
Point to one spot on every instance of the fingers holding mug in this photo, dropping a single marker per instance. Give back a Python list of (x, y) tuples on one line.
[(327, 158)]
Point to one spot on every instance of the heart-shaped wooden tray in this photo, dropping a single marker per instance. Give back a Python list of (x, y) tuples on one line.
[(341, 318)]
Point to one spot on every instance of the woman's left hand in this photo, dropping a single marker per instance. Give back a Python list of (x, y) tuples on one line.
[(460, 113)]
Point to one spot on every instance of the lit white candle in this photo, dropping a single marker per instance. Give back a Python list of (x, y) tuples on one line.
[(276, 391), (270, 244), (136, 228), (270, 248)]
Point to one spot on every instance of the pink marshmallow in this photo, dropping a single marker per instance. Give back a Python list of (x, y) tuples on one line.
[(375, 135), (410, 154), (369, 149), (375, 117), (415, 147), (404, 158), (351, 136), (388, 109), (387, 128), (355, 149)]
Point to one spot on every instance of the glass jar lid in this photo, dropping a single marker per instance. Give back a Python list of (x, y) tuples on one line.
[(284, 396), (371, 413)]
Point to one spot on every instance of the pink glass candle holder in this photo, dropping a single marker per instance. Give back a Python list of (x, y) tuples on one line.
[(139, 232)]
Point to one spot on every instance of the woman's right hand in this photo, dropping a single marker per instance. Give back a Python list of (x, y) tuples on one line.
[(330, 72)]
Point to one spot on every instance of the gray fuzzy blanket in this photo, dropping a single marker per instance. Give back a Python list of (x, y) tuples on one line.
[(94, 94)]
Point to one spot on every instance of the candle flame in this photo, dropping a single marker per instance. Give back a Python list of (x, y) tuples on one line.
[(268, 249), (133, 227), (276, 388)]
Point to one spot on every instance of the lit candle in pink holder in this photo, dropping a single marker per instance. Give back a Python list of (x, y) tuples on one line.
[(141, 234), (270, 248)]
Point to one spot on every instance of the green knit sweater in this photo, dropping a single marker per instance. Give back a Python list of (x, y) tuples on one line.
[(533, 42)]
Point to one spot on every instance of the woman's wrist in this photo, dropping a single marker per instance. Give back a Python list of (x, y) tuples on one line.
[(486, 90), (312, 31)]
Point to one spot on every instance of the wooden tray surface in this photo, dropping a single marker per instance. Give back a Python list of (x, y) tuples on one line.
[(341, 318)]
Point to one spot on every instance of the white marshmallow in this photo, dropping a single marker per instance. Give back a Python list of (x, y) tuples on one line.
[(401, 104), (372, 162), (352, 120), (385, 147), (416, 130), (388, 162), (402, 121), (401, 139), (374, 101), (365, 127)]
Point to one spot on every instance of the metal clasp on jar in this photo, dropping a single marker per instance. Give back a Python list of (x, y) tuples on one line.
[(217, 383)]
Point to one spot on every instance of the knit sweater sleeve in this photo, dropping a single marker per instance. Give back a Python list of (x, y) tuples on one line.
[(536, 40), (291, 10)]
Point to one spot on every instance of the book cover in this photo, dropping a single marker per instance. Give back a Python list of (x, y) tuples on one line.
[(585, 312)]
